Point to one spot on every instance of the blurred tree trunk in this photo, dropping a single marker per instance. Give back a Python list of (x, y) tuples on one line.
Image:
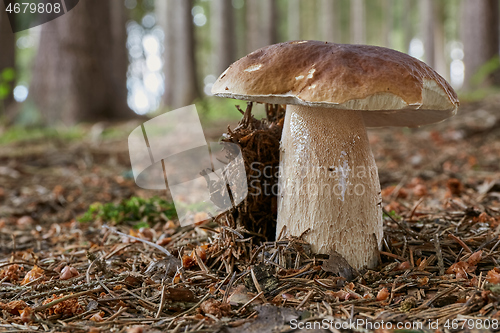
[(224, 38), (119, 54), (270, 22), (165, 18), (73, 76), (440, 60), (427, 21), (407, 23), (7, 50), (479, 30), (358, 22), (329, 21), (185, 82), (262, 25), (252, 29), (294, 19), (387, 22)]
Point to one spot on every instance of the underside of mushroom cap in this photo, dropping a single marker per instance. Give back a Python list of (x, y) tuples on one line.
[(390, 87)]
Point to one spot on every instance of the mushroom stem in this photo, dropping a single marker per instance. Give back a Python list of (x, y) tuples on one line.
[(329, 184)]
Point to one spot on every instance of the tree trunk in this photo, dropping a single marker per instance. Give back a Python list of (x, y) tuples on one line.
[(293, 19), (7, 53), (358, 26), (253, 28), (407, 24), (480, 37), (185, 82), (119, 54), (440, 61), (262, 25), (387, 22), (427, 19), (223, 34), (165, 16), (270, 22), (73, 77), (329, 21)]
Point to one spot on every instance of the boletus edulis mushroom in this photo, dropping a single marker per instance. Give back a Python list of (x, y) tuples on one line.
[(328, 179)]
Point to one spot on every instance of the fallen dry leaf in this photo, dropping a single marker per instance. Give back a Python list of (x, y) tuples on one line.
[(35, 273), (67, 308), (493, 276), (215, 308), (383, 294), (11, 273), (13, 307)]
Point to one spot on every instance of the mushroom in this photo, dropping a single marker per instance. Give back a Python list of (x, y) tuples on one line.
[(329, 191)]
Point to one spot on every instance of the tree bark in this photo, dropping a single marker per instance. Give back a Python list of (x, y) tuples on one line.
[(294, 19), (440, 61), (119, 54), (252, 13), (407, 24), (270, 22), (480, 38), (262, 26), (224, 38), (8, 50), (185, 82), (165, 16), (73, 77), (358, 25), (427, 19), (387, 22), (329, 21)]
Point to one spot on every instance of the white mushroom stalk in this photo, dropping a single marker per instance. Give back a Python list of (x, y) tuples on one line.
[(329, 184)]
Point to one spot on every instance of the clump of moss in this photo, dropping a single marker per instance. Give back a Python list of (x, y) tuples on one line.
[(137, 211)]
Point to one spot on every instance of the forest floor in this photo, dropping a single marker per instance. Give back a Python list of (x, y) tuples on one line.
[(439, 261)]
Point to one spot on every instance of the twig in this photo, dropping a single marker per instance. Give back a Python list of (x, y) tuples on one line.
[(156, 246), (122, 309), (257, 285), (162, 301), (459, 241), (250, 301), (65, 298), (439, 254)]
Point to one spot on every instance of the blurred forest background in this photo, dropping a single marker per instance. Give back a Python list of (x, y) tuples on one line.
[(112, 60)]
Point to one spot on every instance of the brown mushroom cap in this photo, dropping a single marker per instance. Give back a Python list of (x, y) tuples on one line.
[(390, 87)]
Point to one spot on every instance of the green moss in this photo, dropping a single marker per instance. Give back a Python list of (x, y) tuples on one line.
[(138, 211), (23, 134)]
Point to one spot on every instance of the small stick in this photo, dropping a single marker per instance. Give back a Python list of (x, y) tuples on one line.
[(439, 254), (309, 294), (257, 285), (122, 309), (438, 295), (229, 285), (250, 301), (392, 255), (65, 298), (459, 241), (415, 208), (162, 301), (161, 248)]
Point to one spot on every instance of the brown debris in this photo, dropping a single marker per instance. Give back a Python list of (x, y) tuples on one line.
[(232, 271), (66, 308), (259, 141), (215, 308)]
